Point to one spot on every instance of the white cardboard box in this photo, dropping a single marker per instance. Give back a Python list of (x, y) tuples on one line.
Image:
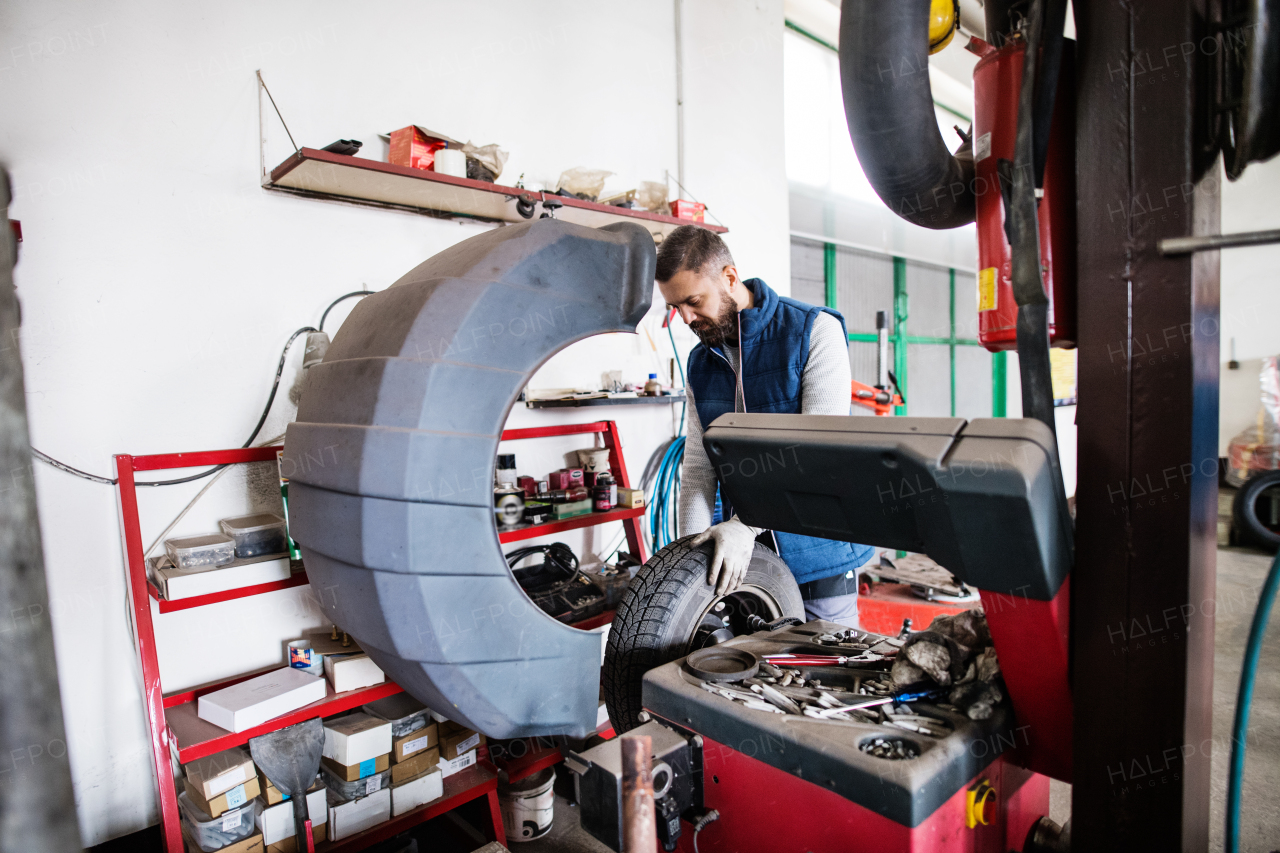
[(462, 762), (253, 702), (356, 737), (420, 791), (351, 672), (176, 584), (276, 822), (218, 773), (347, 817)]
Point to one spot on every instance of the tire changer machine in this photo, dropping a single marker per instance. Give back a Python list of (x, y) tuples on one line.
[(983, 498)]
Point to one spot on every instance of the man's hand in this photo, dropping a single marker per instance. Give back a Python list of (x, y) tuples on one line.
[(735, 543)]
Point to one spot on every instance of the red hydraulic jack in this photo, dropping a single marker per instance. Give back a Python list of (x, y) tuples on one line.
[(882, 397)]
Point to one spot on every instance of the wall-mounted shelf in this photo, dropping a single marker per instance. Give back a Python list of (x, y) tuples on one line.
[(322, 175), (591, 519), (298, 578), (605, 401)]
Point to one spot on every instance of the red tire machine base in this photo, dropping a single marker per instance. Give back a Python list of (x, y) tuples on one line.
[(768, 810), (883, 605), (783, 782)]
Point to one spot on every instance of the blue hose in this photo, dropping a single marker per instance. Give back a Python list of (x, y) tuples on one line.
[(663, 507), (665, 498), (1248, 672)]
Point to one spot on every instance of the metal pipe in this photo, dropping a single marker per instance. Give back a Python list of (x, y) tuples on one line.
[(1187, 245), (639, 832), (679, 32), (882, 349), (37, 809)]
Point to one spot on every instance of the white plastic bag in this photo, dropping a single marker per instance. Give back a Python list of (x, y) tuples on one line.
[(1258, 447), (652, 196), (491, 157), (583, 182)]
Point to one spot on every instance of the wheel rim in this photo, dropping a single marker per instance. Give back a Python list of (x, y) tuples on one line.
[(747, 600)]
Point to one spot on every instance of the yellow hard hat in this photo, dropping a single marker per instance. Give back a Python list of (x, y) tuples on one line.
[(944, 20)]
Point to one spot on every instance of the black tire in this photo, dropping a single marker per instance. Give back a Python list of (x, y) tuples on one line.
[(661, 611), (1245, 511)]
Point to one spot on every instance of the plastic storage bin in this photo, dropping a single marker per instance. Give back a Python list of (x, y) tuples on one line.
[(214, 833), (256, 535), (193, 552), (405, 714), (359, 788)]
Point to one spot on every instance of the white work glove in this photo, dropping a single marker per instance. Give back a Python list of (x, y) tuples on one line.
[(735, 543)]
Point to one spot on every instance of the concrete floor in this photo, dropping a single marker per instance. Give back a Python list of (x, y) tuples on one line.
[(1240, 577)]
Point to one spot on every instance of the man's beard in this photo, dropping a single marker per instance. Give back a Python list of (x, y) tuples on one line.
[(725, 328)]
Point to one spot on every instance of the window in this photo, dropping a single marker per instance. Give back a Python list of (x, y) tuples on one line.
[(851, 253)]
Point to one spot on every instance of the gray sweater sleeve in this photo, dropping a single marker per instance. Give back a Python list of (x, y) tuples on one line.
[(826, 382), (825, 390), (697, 478)]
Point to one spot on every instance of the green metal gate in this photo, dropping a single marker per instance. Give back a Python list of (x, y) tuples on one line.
[(935, 355)]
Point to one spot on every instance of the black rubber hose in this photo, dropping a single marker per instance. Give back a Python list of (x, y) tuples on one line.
[(884, 72), (1055, 19), (1028, 286)]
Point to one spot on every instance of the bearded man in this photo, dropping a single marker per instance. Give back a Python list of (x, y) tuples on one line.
[(759, 352)]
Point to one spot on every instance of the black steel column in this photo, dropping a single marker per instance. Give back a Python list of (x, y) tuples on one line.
[(1142, 589)]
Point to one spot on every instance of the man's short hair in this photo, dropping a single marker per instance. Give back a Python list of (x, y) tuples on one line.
[(690, 247)]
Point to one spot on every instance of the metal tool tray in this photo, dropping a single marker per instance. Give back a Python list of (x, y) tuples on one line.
[(826, 752)]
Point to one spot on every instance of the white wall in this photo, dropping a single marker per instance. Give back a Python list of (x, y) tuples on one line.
[(158, 282), (1250, 295)]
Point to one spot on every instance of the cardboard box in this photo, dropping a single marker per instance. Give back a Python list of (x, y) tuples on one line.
[(252, 844), (276, 822), (416, 147), (571, 510), (694, 211), (346, 818), (251, 703), (271, 794), (176, 584), (457, 743), (290, 844), (355, 738), (413, 767), (218, 773), (414, 742), (630, 498), (462, 762), (354, 772), (232, 799), (352, 671), (417, 792)]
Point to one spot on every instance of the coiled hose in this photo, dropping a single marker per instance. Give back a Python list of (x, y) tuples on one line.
[(664, 493), (661, 480), (1248, 673)]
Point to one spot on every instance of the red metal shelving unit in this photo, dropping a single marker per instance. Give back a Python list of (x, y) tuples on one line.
[(172, 721), (630, 518)]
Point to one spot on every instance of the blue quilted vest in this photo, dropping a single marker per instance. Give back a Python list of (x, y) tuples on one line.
[(774, 351)]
